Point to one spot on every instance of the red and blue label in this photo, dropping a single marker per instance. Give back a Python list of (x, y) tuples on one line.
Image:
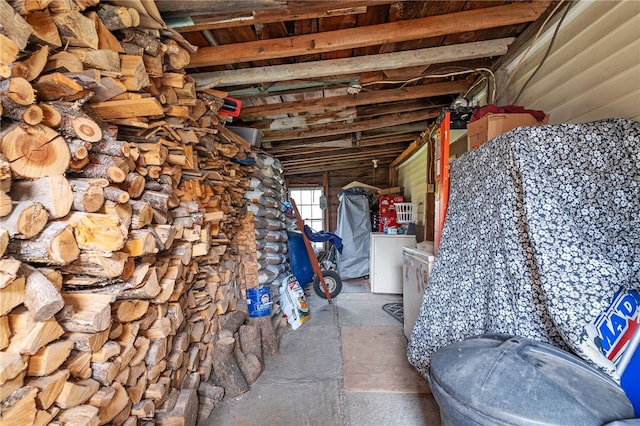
[(618, 339)]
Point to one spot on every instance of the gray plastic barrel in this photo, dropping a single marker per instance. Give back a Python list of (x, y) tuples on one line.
[(494, 380)]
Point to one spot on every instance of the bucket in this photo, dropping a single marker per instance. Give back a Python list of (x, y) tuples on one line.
[(259, 301)]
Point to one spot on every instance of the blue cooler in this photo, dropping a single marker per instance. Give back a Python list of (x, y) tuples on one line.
[(496, 380)]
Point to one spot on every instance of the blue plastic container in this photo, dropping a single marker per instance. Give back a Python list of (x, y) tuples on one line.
[(259, 301), (299, 258)]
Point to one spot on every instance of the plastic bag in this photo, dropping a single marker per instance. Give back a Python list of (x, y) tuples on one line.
[(293, 303)]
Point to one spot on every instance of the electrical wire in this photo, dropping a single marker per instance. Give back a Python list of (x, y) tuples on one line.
[(533, 42), (546, 54)]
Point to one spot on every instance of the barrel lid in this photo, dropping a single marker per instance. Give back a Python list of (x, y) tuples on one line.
[(515, 380)]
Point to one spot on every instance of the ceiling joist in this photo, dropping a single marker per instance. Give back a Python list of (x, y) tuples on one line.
[(362, 98), (317, 69), (369, 35)]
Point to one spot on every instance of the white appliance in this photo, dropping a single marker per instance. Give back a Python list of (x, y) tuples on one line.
[(385, 261), (416, 269)]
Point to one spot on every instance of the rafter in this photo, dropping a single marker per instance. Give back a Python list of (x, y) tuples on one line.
[(354, 65), (340, 129), (362, 98), (371, 35)]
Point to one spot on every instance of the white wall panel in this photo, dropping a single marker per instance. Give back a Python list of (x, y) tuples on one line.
[(412, 176), (593, 71)]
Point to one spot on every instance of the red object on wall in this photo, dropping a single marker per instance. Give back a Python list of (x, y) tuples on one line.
[(388, 211), (231, 106)]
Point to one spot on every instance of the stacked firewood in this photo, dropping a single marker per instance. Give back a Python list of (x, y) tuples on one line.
[(124, 246)]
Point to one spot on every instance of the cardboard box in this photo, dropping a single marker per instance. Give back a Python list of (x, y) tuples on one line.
[(492, 125)]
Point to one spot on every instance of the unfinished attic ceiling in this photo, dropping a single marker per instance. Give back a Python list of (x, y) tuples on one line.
[(336, 84)]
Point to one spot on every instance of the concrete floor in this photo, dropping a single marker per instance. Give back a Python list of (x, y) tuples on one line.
[(304, 383)]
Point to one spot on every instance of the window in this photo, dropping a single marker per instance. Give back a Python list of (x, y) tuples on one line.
[(308, 203)]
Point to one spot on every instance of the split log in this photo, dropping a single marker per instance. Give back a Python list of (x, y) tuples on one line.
[(26, 220), (102, 59), (104, 373), (55, 245), (127, 108), (106, 40), (4, 242), (135, 76), (77, 392), (5, 209), (98, 264), (76, 29), (141, 242), (10, 366), (53, 192), (91, 313), (49, 358), (44, 29), (226, 368), (8, 272), (110, 350), (15, 27), (35, 151), (12, 295), (5, 333), (41, 297), (25, 7), (178, 57), (109, 88), (129, 310), (20, 408), (116, 403), (86, 415), (30, 335), (31, 67), (79, 362), (51, 87), (119, 212), (9, 52), (184, 412), (49, 387), (95, 231), (5, 180)]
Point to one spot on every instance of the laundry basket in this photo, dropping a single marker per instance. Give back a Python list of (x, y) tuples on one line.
[(406, 212)]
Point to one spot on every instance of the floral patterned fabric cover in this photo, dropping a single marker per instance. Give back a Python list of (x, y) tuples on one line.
[(542, 228)]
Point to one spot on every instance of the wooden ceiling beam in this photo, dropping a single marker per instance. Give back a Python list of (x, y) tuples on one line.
[(369, 35), (335, 166), (362, 98), (340, 129), (353, 65), (361, 159), (212, 22)]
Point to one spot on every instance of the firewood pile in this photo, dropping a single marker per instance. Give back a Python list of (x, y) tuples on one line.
[(125, 249)]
